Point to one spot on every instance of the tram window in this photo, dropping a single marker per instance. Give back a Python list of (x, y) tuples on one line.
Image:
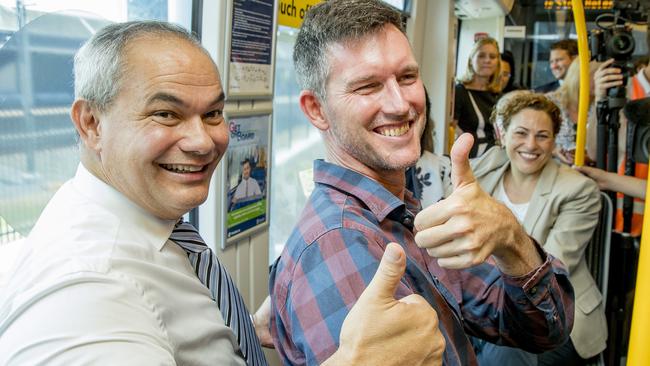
[(38, 40), (295, 146), (549, 26)]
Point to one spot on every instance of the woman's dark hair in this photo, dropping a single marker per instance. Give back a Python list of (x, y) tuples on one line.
[(507, 56), (426, 140)]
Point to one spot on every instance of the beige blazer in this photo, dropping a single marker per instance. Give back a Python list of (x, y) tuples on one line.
[(561, 216)]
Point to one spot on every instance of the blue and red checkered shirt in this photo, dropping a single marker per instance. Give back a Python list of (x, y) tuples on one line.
[(335, 250)]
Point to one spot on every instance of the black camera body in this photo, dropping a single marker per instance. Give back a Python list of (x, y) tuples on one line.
[(615, 42), (637, 113), (613, 39), (618, 43)]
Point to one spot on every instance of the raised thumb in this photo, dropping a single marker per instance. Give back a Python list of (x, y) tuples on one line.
[(390, 271), (461, 172)]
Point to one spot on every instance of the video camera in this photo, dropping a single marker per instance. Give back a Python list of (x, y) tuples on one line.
[(616, 41), (612, 39), (637, 113)]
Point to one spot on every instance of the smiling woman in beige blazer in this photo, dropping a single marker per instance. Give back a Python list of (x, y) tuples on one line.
[(558, 207)]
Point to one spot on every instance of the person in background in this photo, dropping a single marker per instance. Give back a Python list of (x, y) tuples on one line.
[(567, 97), (430, 179), (361, 88), (110, 274), (562, 54), (476, 93), (638, 87), (557, 206), (248, 188), (508, 72), (609, 181), (641, 63)]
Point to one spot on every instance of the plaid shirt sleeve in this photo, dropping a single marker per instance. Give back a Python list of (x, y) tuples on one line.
[(533, 312), (315, 289)]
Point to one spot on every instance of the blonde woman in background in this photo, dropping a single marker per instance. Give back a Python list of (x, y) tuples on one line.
[(566, 97), (476, 93)]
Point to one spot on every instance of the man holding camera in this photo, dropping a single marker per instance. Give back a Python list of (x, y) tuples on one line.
[(638, 87)]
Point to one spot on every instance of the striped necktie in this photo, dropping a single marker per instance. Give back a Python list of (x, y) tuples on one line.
[(224, 292)]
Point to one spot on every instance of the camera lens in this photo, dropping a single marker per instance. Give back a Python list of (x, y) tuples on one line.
[(620, 45)]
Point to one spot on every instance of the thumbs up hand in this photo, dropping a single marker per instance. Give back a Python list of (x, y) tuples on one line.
[(380, 330), (464, 229), (461, 172)]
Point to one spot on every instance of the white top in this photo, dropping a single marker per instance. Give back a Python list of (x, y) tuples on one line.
[(247, 188), (434, 177), (519, 209), (97, 282)]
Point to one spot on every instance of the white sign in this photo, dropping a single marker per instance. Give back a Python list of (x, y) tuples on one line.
[(514, 31)]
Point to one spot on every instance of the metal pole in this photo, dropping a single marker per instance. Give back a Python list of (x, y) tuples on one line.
[(583, 105)]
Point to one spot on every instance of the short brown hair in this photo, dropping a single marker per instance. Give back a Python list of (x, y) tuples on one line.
[(516, 102), (569, 45), (331, 22)]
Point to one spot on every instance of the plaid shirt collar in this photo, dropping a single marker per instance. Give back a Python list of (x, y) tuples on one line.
[(381, 202)]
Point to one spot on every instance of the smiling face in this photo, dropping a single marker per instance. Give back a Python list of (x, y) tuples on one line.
[(505, 74), (485, 60), (162, 137), (374, 107), (246, 170), (529, 141), (560, 61)]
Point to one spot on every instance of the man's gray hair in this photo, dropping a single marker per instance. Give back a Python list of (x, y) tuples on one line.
[(99, 64), (332, 22)]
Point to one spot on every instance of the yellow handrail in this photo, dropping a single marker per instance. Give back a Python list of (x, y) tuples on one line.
[(583, 105), (638, 351)]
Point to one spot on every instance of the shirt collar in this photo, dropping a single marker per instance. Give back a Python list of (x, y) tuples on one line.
[(135, 222), (381, 202), (643, 81)]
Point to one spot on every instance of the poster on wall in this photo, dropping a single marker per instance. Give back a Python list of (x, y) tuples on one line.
[(246, 174), (250, 49)]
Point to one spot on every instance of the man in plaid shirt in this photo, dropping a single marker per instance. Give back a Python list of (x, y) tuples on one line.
[(466, 255)]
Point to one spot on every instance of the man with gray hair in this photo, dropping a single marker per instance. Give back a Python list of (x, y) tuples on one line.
[(362, 90), (111, 274)]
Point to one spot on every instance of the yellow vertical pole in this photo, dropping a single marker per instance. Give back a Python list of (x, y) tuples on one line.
[(638, 352), (583, 105), (639, 349)]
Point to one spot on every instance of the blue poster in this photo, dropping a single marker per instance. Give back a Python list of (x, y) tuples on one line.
[(247, 173)]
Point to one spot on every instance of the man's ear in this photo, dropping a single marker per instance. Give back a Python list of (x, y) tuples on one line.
[(313, 108), (86, 121)]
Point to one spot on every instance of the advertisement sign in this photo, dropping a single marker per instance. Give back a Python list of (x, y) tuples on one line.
[(250, 49), (246, 174)]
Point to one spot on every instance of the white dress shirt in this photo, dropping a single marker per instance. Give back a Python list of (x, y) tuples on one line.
[(98, 282), (247, 188)]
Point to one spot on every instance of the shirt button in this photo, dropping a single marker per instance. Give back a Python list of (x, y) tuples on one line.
[(408, 221), (533, 290)]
